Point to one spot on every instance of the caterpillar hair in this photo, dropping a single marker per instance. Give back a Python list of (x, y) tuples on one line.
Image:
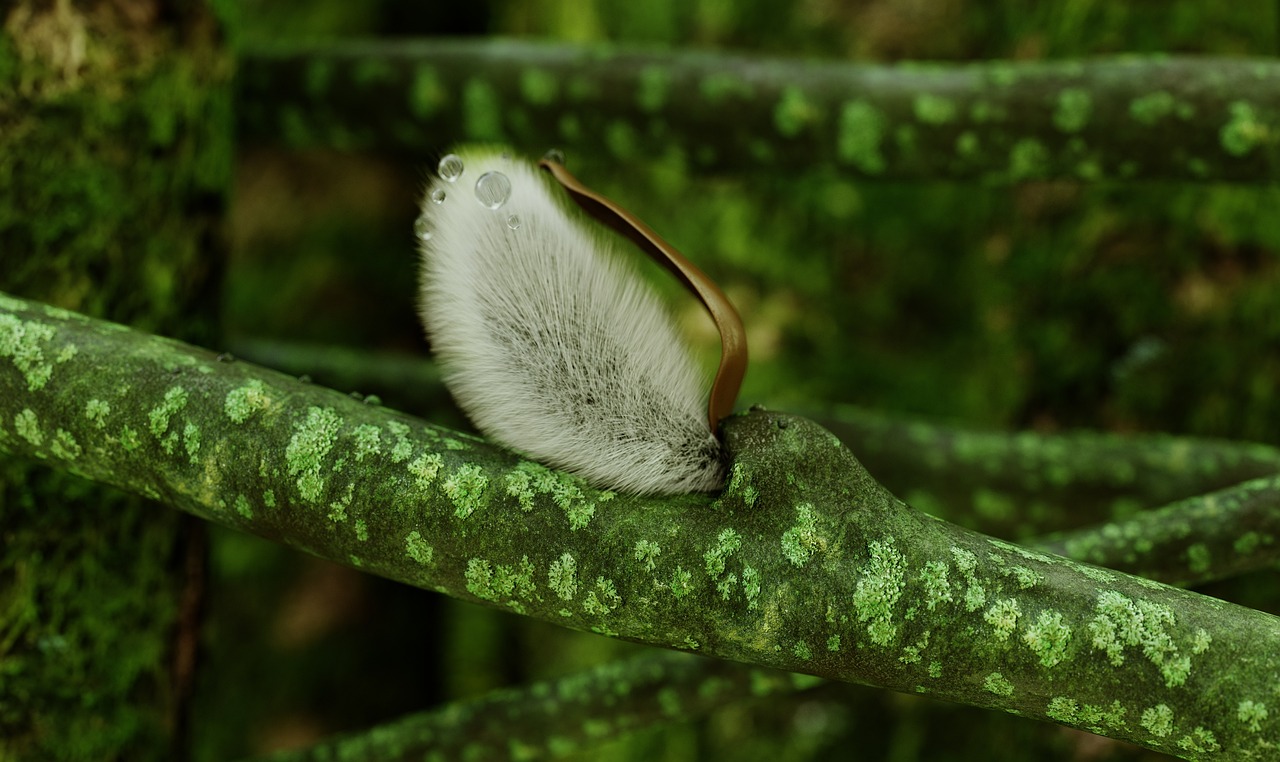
[(549, 341)]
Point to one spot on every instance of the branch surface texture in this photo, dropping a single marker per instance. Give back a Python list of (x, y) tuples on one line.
[(1124, 118), (803, 563)]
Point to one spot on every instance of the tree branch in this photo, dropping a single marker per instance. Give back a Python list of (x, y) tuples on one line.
[(804, 563), (993, 122)]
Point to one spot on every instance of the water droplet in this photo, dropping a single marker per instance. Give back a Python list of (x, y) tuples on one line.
[(422, 228), (513, 222), (554, 155), (493, 189), (450, 168), (437, 196)]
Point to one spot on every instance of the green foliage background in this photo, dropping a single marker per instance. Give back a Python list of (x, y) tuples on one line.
[(1050, 305)]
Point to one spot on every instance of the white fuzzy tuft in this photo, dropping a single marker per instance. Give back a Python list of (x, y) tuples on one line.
[(551, 344)]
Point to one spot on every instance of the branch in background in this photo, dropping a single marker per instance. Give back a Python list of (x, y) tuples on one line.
[(1197, 540), (1028, 482), (1127, 119), (559, 717), (804, 563)]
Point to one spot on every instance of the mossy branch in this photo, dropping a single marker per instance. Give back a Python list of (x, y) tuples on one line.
[(1128, 119), (803, 563)]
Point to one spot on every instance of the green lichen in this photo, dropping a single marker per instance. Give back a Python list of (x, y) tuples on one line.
[(562, 577), (1199, 741), (1199, 560), (937, 589), (308, 448), (243, 506), (96, 411), (934, 109), (424, 469), (1152, 107), (1063, 709), (403, 448), (878, 589), (721, 86), (130, 440), (1048, 637), (802, 540), (1119, 623), (368, 441), (1252, 714), (269, 498), (242, 402), (539, 87), (1003, 617), (1244, 130), (191, 438), (481, 111), (681, 583), (427, 93), (1071, 113), (654, 84), (1028, 159), (22, 341), (418, 549), (975, 595), (726, 544), (467, 489), (65, 445), (801, 650), (175, 399), (28, 426), (833, 643), (860, 135), (647, 553), (622, 140), (751, 586), (1158, 720), (997, 683), (602, 599), (794, 112)]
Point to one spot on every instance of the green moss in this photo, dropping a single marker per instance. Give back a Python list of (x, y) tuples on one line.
[(751, 586), (308, 448), (860, 134)]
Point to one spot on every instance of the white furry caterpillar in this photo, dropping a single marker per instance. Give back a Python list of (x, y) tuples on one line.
[(551, 344)]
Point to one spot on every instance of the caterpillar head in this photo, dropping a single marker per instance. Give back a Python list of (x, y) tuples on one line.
[(549, 341)]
